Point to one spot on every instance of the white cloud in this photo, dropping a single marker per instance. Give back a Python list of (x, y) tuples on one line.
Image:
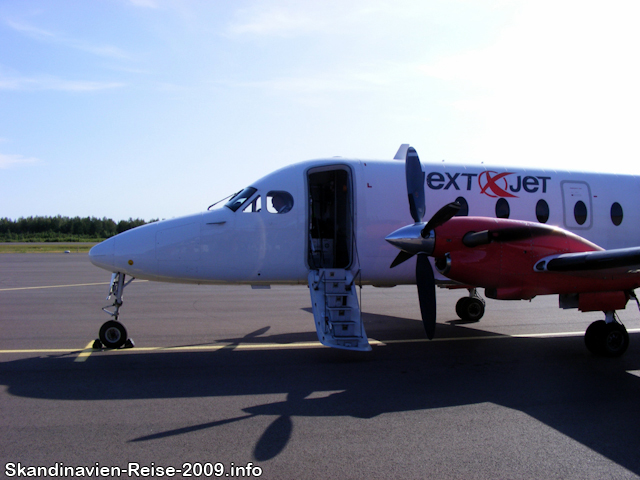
[(11, 161), (292, 18), (30, 30), (273, 21), (42, 35), (48, 82), (144, 3), (355, 78)]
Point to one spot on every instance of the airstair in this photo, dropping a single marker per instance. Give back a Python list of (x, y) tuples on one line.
[(336, 310)]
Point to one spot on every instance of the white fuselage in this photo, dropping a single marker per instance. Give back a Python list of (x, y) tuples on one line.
[(341, 221)]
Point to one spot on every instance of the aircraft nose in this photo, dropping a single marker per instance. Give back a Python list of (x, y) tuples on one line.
[(101, 255)]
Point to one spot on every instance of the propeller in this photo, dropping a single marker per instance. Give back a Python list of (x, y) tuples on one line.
[(417, 239), (415, 184), (443, 215), (426, 294), (401, 258)]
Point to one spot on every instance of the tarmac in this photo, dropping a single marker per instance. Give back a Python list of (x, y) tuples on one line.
[(227, 381)]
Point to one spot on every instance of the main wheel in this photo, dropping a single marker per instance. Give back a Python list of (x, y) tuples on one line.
[(113, 334), (593, 337), (616, 340), (470, 309)]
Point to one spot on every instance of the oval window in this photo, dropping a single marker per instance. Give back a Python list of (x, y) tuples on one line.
[(542, 211), (279, 202), (580, 212), (464, 207), (502, 208), (616, 214)]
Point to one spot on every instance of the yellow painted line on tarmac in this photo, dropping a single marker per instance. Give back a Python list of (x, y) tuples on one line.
[(231, 346), (51, 286), (40, 350), (497, 337), (88, 350), (84, 354), (60, 286)]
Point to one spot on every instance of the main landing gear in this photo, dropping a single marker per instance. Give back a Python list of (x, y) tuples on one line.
[(112, 333), (471, 308), (607, 337)]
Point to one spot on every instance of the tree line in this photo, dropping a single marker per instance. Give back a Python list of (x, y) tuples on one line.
[(63, 229)]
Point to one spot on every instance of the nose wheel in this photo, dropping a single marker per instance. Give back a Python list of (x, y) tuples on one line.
[(112, 334)]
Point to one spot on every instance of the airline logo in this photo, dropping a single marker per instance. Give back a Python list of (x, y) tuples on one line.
[(490, 183)]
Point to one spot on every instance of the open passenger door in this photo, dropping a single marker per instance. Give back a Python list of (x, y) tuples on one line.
[(330, 257)]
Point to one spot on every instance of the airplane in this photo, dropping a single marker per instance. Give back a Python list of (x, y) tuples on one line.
[(338, 223)]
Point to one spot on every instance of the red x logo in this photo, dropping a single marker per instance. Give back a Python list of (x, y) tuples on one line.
[(489, 187)]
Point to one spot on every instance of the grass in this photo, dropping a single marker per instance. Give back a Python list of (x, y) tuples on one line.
[(51, 247)]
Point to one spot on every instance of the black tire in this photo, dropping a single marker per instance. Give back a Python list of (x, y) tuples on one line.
[(615, 340), (470, 309), (594, 337), (461, 306), (113, 334)]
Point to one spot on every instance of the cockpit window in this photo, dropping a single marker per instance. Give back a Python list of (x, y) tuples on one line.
[(279, 202), (238, 200), (253, 207)]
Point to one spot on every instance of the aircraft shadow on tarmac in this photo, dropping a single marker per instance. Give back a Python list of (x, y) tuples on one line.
[(554, 380)]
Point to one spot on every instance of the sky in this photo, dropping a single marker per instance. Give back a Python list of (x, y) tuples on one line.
[(158, 108)]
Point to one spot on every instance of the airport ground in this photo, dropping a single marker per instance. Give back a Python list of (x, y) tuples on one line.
[(227, 376)]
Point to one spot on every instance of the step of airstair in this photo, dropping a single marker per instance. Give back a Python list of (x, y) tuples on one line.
[(336, 310)]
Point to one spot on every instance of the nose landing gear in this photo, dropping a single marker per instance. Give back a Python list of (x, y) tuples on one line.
[(112, 333)]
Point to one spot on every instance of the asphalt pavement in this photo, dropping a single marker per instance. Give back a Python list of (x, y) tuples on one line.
[(229, 381)]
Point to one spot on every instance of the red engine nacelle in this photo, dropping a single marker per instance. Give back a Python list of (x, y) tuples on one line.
[(500, 255)]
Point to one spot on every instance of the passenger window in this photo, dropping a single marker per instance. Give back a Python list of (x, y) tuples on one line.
[(279, 202), (580, 212), (464, 207), (502, 208), (254, 206), (616, 214), (542, 211)]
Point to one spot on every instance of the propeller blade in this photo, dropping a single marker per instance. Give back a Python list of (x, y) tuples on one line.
[(426, 294), (443, 215), (415, 185), (401, 258)]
